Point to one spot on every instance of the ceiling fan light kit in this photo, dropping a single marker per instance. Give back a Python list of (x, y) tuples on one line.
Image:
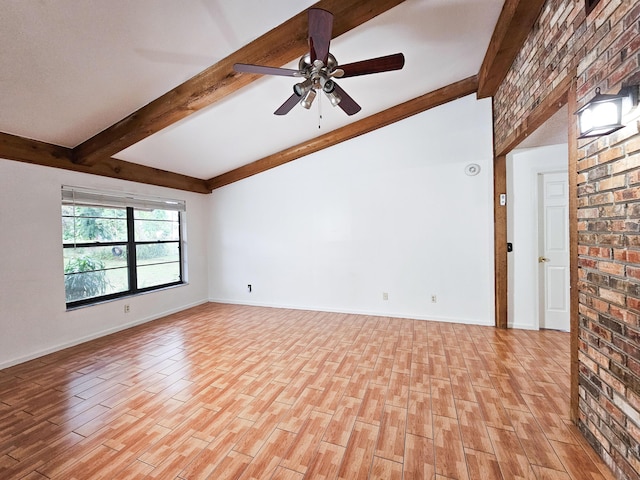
[(319, 67)]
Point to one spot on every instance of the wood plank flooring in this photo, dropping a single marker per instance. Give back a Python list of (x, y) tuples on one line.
[(237, 392)]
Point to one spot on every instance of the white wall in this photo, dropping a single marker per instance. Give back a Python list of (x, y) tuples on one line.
[(33, 316), (523, 168), (391, 211)]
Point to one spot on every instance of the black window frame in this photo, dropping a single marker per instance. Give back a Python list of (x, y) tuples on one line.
[(130, 245)]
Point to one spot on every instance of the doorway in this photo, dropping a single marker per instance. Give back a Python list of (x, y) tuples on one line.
[(562, 97), (535, 292)]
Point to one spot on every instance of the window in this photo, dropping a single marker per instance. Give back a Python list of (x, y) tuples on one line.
[(116, 245), (589, 5)]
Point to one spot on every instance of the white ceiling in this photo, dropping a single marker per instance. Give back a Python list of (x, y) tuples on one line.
[(554, 131), (69, 69)]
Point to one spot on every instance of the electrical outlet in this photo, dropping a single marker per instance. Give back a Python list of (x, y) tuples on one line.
[(126, 308), (385, 296), (434, 299)]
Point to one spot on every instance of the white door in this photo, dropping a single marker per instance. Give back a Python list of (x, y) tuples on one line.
[(553, 260)]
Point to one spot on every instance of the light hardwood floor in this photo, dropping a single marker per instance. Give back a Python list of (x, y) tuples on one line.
[(223, 391)]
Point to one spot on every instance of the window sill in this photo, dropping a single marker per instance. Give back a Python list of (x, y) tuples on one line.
[(125, 297)]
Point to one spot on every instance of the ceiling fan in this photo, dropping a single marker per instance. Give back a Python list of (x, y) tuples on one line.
[(318, 68)]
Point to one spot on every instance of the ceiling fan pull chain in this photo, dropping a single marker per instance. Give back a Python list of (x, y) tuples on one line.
[(319, 111)]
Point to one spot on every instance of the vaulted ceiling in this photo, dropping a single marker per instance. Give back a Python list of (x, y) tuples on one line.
[(144, 90)]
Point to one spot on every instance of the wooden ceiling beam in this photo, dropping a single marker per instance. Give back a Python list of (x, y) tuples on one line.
[(13, 147), (21, 149), (386, 117), (276, 47), (516, 20)]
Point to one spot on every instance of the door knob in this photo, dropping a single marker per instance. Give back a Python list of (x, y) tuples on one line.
[(543, 259)]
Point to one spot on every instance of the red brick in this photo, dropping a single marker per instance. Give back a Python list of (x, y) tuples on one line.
[(633, 256), (587, 263), (588, 312), (634, 366), (610, 211), (623, 226), (588, 213), (601, 198), (632, 145), (627, 194), (613, 182), (585, 164), (590, 364), (599, 252), (611, 268), (633, 272), (599, 305), (598, 357), (619, 254), (621, 73), (610, 154), (627, 347), (627, 163), (624, 315), (612, 353), (611, 409), (613, 297), (633, 303)]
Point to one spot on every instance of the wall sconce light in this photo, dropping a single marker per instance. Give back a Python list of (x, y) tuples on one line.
[(603, 114)]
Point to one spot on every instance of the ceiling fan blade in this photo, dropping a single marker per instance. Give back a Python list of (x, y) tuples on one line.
[(373, 65), (288, 105), (347, 103), (320, 28), (262, 70)]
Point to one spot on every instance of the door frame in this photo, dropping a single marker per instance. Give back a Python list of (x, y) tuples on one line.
[(563, 94)]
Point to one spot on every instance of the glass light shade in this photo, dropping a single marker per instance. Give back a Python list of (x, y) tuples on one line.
[(334, 98), (308, 99), (300, 89), (601, 116)]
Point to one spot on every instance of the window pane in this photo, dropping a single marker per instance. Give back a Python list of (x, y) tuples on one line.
[(67, 211), (151, 226), (170, 215), (86, 230), (162, 274), (95, 271), (158, 264), (67, 230), (157, 253), (101, 212)]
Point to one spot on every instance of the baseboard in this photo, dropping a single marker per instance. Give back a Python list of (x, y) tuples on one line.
[(433, 318), (93, 336)]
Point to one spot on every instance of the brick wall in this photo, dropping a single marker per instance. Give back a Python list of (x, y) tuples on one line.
[(604, 50)]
